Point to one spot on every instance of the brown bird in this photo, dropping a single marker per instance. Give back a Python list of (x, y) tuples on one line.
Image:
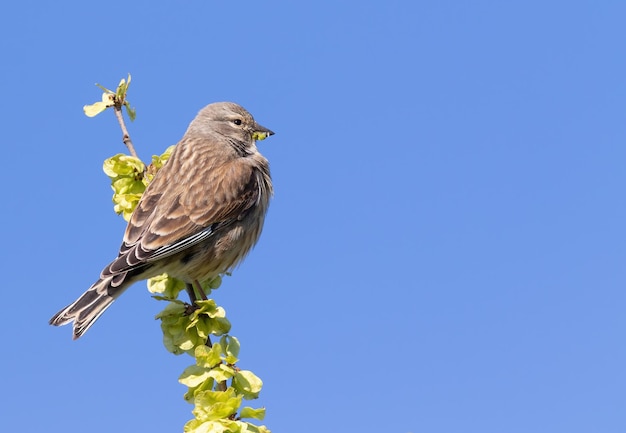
[(199, 217)]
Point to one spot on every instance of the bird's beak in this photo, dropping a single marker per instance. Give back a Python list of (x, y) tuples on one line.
[(260, 132)]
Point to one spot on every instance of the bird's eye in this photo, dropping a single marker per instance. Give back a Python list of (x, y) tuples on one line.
[(237, 121)]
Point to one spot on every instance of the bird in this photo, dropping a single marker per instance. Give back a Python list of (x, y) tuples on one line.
[(199, 217)]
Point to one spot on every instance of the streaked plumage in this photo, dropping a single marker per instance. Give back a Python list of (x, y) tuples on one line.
[(199, 217)]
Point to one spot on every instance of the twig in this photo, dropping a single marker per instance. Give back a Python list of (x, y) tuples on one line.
[(222, 385), (125, 136)]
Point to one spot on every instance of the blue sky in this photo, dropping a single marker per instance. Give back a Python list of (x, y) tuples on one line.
[(445, 250)]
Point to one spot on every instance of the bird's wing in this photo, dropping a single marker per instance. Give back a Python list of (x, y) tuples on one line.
[(176, 212)]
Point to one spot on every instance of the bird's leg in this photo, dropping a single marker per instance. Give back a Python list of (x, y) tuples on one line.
[(192, 299), (191, 293), (200, 290), (191, 290)]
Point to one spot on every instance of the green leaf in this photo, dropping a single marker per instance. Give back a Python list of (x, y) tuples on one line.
[(127, 180), (125, 204), (184, 342), (248, 384), (213, 405), (168, 299), (166, 285), (132, 113), (122, 88), (221, 326), (259, 135), (104, 89), (208, 357), (203, 326), (231, 348), (217, 313), (194, 375), (248, 412), (98, 107), (205, 307), (221, 373), (251, 428), (127, 185), (159, 160), (227, 369), (174, 344), (219, 426), (123, 165), (94, 109), (191, 393), (173, 309), (174, 322), (212, 284)]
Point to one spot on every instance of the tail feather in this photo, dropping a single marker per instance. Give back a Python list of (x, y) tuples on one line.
[(88, 307)]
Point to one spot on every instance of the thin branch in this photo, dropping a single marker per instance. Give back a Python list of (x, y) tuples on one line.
[(125, 136), (222, 385), (191, 291)]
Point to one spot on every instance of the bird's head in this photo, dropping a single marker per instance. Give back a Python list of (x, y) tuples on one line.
[(229, 120)]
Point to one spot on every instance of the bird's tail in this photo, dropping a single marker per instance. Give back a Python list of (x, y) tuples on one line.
[(85, 310)]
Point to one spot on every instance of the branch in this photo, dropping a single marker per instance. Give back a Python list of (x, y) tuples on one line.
[(116, 100), (125, 135)]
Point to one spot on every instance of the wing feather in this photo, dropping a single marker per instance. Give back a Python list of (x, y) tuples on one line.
[(179, 210)]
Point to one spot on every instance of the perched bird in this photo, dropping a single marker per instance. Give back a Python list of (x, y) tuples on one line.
[(199, 217)]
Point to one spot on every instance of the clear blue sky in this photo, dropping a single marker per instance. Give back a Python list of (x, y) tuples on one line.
[(445, 250)]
